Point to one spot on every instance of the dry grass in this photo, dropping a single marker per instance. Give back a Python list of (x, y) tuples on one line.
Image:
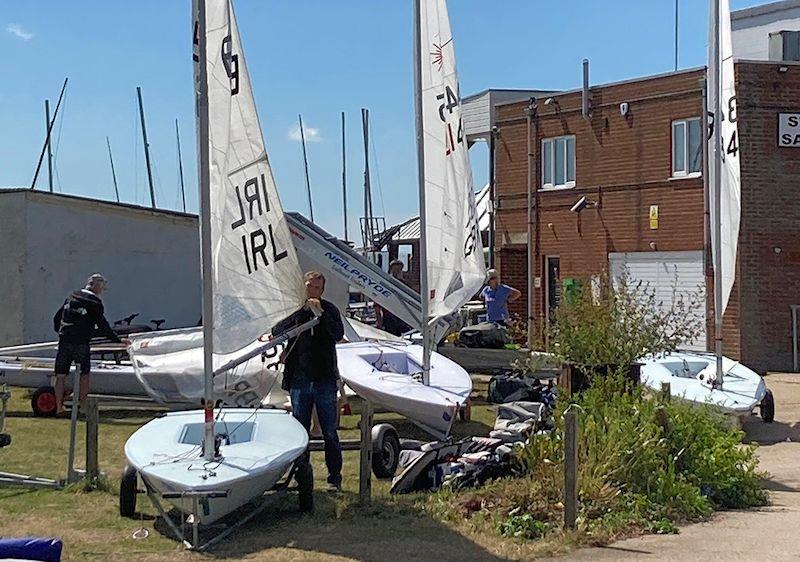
[(340, 529)]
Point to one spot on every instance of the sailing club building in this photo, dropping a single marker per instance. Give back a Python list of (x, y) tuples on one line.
[(620, 187)]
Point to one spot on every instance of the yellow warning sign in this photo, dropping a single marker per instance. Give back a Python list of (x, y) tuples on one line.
[(653, 217)]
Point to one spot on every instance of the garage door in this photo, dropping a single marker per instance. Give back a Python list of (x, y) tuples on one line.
[(669, 274)]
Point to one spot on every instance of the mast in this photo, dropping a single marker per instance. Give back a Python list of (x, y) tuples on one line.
[(49, 131), (717, 187), (344, 182), (113, 173), (305, 166), (423, 251), (180, 165), (49, 150), (146, 148), (204, 177), (367, 184)]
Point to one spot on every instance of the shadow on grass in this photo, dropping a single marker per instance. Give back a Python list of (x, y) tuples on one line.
[(339, 526)]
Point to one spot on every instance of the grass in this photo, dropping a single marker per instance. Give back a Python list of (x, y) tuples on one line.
[(91, 528)]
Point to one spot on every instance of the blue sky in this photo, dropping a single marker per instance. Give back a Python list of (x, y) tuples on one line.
[(313, 57)]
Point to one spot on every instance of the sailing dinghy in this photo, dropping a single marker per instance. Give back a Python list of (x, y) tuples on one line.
[(209, 462)]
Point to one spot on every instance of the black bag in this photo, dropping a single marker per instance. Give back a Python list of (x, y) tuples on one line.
[(485, 335), (512, 387)]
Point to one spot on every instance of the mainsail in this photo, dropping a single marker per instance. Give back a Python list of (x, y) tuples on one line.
[(455, 265), (255, 277), (722, 113)]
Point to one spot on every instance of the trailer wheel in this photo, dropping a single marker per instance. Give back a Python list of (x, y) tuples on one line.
[(767, 407), (385, 450), (43, 402), (305, 485), (127, 492)]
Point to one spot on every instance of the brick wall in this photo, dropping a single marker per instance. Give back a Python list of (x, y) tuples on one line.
[(770, 281)]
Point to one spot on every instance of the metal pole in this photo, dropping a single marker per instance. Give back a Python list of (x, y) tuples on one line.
[(49, 149), (676, 35), (113, 172), (180, 165), (423, 238), (365, 455), (492, 135), (305, 166), (367, 184), (717, 203), (146, 148), (344, 182), (203, 174), (49, 131), (707, 260), (529, 111)]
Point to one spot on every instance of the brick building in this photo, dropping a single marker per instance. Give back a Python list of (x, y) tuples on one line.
[(637, 161)]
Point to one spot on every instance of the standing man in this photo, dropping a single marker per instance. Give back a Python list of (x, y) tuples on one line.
[(310, 371), (384, 319), (76, 321), (496, 297)]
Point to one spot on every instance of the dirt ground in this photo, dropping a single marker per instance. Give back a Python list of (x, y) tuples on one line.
[(770, 533)]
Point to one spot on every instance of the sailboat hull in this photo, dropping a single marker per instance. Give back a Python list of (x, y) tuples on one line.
[(390, 374), (690, 374), (261, 446)]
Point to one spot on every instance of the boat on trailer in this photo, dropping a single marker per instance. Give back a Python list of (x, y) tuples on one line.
[(692, 376)]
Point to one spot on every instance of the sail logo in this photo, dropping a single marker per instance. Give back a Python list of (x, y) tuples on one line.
[(252, 206), (356, 275), (438, 54)]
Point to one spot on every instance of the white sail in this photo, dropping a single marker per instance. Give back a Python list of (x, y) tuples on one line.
[(455, 264), (722, 98), (256, 276)]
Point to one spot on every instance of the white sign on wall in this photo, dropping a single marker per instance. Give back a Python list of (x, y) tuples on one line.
[(789, 129)]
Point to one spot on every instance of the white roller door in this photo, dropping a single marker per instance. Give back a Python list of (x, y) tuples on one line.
[(670, 274)]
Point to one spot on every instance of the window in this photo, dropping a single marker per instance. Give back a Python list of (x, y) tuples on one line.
[(687, 148), (558, 163)]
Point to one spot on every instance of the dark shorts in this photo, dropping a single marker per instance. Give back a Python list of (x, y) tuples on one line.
[(69, 353)]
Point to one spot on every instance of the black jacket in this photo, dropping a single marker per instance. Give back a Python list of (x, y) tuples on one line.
[(312, 353), (79, 316)]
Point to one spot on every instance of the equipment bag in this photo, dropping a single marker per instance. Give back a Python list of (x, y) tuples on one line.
[(485, 335)]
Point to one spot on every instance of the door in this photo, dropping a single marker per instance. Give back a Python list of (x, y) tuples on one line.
[(671, 275)]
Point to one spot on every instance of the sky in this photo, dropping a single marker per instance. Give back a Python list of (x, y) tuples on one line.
[(311, 57)]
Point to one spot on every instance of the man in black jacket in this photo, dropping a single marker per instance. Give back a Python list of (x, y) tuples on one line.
[(76, 321), (310, 372)]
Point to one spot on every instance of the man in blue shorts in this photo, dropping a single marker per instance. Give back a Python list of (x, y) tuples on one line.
[(496, 297)]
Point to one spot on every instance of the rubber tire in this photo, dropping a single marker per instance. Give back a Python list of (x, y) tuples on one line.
[(127, 492), (304, 476), (767, 407), (43, 402), (385, 451)]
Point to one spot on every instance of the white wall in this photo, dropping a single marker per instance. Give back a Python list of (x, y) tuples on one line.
[(750, 34), (150, 259), (12, 265)]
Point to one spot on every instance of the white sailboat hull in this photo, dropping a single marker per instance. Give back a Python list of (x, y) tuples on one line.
[(690, 376), (167, 453), (389, 374)]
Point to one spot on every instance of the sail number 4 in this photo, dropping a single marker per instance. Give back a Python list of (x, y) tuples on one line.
[(450, 101), (730, 145)]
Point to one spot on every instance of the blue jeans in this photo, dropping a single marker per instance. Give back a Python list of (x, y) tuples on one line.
[(306, 394)]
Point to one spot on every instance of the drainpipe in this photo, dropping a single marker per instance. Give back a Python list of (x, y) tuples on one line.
[(530, 111)]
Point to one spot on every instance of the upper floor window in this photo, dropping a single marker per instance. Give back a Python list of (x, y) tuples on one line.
[(558, 162), (687, 148)]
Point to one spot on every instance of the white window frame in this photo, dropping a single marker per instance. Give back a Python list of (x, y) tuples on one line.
[(552, 163), (685, 173)]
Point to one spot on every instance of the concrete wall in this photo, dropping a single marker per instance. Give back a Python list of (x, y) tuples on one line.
[(751, 28), (12, 266), (151, 260)]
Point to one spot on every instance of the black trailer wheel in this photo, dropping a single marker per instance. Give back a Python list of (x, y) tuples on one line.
[(127, 492), (767, 407), (385, 450), (5, 440), (304, 476), (43, 402)]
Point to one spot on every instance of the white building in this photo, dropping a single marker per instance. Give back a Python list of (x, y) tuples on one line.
[(767, 32), (50, 243)]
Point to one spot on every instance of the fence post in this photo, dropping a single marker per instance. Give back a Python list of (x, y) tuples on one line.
[(666, 392), (565, 379), (92, 434), (570, 469), (365, 465), (73, 427)]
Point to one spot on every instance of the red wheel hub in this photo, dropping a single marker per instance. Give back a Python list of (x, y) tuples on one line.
[(46, 402)]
